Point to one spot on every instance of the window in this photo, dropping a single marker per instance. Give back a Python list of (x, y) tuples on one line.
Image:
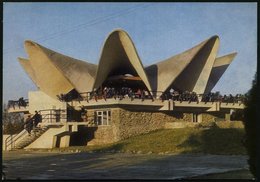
[(103, 117)]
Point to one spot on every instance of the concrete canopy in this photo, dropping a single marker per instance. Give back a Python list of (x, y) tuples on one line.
[(163, 74), (119, 57), (79, 73), (49, 78), (196, 69), (219, 67), (29, 70), (195, 75), (56, 73), (176, 70)]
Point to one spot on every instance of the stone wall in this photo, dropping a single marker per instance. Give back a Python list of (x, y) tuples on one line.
[(126, 123), (135, 123), (212, 116), (103, 135)]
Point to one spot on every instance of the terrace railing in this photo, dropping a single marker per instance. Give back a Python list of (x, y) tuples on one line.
[(17, 104), (191, 97)]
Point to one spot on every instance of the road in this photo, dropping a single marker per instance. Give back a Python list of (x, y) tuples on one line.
[(50, 165)]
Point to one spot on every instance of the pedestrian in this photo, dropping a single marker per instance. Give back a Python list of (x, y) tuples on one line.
[(130, 93), (28, 126), (21, 102), (105, 93), (171, 93), (139, 93), (95, 94), (37, 118)]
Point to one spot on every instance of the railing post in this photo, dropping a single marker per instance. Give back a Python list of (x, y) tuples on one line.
[(51, 115), (11, 142)]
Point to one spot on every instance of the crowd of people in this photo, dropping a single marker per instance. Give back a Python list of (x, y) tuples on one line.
[(120, 93), (138, 93), (180, 96), (210, 97), (21, 102), (106, 93)]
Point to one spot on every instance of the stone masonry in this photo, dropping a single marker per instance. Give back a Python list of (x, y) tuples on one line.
[(126, 123)]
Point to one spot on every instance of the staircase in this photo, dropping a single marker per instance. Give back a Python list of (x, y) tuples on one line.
[(35, 133)]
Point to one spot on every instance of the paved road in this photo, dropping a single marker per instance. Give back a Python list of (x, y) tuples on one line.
[(38, 165)]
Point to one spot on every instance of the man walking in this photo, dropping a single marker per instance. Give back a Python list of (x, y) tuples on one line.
[(37, 119), (28, 126)]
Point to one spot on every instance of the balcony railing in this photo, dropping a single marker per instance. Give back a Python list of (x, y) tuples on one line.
[(50, 116), (18, 104), (175, 96)]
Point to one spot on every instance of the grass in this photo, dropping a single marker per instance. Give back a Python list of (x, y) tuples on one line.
[(225, 141)]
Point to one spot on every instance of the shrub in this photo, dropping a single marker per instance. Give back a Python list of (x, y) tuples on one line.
[(230, 124), (12, 122), (207, 124), (250, 127)]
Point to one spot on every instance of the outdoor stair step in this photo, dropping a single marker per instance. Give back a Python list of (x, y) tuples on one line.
[(36, 133)]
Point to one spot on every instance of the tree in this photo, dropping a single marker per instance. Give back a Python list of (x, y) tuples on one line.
[(250, 122), (12, 122)]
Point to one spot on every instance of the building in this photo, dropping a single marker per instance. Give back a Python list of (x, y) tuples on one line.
[(87, 104)]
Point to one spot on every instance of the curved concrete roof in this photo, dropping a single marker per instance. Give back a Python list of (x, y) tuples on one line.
[(194, 77), (80, 73), (59, 73), (196, 69), (176, 70), (49, 78), (219, 67), (163, 74), (29, 70), (119, 56)]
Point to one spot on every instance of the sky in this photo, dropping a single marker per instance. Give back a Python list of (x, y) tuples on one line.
[(158, 30)]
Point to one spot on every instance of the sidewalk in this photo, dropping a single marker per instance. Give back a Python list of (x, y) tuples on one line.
[(39, 165)]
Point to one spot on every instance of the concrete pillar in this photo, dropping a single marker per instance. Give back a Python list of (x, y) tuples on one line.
[(194, 117), (199, 118), (227, 116), (65, 141), (67, 127), (74, 127), (170, 105), (54, 141)]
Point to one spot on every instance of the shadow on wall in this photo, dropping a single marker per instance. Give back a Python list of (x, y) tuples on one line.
[(152, 73), (177, 115), (82, 136), (73, 115)]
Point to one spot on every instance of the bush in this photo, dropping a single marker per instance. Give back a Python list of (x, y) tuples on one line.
[(12, 122), (230, 124), (207, 124), (250, 127)]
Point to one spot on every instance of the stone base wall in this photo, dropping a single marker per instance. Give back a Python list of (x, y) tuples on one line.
[(212, 116), (136, 123), (125, 124), (90, 116), (103, 135)]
